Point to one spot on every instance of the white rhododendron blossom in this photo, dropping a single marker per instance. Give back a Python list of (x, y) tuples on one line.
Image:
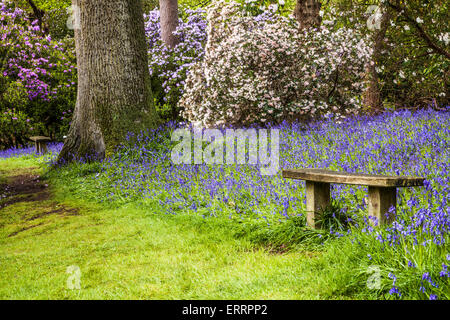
[(262, 69)]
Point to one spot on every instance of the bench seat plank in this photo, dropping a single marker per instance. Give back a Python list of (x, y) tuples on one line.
[(40, 138), (328, 176), (40, 143)]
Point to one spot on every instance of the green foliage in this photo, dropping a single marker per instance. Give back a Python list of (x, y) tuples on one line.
[(164, 110), (290, 234), (193, 4), (352, 260), (56, 21), (149, 5), (334, 217), (414, 73), (15, 128), (411, 72), (47, 5), (184, 4), (256, 7), (15, 94)]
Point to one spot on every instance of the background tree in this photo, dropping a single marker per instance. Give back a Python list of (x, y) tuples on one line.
[(372, 99), (411, 12), (416, 70), (169, 21), (114, 94), (307, 13)]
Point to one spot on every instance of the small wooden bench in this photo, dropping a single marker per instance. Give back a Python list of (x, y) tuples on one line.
[(382, 190), (40, 143)]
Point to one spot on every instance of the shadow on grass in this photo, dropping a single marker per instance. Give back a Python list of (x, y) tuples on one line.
[(294, 233)]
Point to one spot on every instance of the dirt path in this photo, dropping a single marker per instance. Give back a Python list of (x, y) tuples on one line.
[(28, 189), (23, 188)]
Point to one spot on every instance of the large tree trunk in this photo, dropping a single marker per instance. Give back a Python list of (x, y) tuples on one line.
[(372, 95), (114, 93), (306, 12), (169, 21)]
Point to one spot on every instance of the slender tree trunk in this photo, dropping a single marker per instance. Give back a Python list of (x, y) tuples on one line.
[(372, 95), (169, 21), (307, 13), (114, 94), (39, 15)]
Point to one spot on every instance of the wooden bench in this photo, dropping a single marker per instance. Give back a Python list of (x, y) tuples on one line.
[(382, 190), (40, 143)]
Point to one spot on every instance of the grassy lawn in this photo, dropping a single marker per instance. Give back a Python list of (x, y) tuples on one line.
[(134, 253)]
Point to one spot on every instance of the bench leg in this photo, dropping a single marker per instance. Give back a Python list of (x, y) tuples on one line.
[(381, 199), (43, 147), (317, 198)]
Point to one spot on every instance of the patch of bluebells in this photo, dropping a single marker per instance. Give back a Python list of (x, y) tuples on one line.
[(444, 272), (426, 276), (53, 148), (400, 143), (394, 289)]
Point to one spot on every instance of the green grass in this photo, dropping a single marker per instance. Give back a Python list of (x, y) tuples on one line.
[(134, 253)]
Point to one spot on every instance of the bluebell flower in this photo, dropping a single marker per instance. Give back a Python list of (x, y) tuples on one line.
[(394, 290)]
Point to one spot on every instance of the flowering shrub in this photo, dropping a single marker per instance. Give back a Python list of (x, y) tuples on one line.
[(169, 66), (38, 73), (257, 7), (261, 69)]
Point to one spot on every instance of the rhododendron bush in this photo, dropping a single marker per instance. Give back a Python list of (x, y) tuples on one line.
[(38, 75), (261, 69)]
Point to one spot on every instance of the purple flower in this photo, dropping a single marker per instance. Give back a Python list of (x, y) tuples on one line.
[(395, 290)]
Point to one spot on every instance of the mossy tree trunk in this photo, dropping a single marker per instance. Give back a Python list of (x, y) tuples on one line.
[(307, 13), (114, 93), (169, 21)]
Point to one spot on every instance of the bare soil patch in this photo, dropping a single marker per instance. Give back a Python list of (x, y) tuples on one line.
[(30, 188), (23, 188)]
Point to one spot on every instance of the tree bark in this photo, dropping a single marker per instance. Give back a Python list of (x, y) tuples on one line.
[(306, 12), (372, 95), (114, 93), (169, 21)]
